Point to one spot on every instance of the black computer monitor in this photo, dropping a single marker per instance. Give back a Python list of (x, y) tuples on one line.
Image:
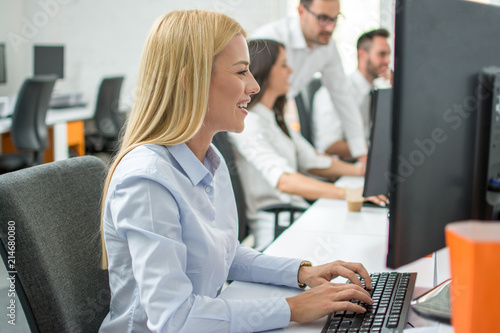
[(379, 148), (48, 60), (437, 173), (3, 72)]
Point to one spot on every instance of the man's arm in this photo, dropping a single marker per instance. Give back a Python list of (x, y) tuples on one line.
[(336, 82)]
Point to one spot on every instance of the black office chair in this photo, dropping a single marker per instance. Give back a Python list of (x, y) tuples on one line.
[(50, 222), (29, 130), (108, 120), (221, 141), (304, 102)]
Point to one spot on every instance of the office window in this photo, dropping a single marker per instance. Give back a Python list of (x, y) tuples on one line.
[(355, 23)]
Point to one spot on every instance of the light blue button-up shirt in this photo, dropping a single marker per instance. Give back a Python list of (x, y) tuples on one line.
[(170, 228)]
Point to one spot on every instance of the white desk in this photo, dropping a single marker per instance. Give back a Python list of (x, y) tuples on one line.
[(327, 232), (58, 119)]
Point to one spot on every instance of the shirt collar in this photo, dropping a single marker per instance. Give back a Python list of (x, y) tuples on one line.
[(212, 159), (298, 41), (194, 169), (360, 81)]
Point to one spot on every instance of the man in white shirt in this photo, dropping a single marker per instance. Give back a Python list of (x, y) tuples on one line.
[(373, 72), (309, 48)]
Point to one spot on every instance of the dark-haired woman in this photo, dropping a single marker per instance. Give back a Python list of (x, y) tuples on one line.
[(277, 164)]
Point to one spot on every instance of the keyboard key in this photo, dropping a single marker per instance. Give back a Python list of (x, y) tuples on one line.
[(345, 324), (339, 314), (349, 314)]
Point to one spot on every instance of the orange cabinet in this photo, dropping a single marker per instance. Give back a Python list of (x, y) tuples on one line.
[(75, 137)]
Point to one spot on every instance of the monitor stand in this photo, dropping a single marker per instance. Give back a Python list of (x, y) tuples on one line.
[(435, 304)]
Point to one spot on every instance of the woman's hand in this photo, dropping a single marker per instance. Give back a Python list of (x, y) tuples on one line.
[(363, 159), (329, 297), (380, 200), (362, 169), (318, 275)]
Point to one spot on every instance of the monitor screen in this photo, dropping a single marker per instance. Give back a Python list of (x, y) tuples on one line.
[(3, 72), (49, 60), (441, 47), (379, 150)]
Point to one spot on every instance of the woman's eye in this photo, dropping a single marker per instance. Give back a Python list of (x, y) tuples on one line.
[(243, 72)]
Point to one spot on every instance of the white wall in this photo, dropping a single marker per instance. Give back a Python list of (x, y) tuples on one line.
[(101, 38), (104, 38)]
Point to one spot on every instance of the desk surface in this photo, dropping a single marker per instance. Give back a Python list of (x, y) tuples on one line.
[(328, 232), (55, 116)]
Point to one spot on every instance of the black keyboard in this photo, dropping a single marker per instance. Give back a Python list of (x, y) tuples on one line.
[(391, 294)]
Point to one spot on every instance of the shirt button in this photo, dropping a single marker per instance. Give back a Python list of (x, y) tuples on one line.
[(227, 255), (213, 224), (207, 189)]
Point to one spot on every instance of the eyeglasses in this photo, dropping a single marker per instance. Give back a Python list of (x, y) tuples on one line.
[(324, 20)]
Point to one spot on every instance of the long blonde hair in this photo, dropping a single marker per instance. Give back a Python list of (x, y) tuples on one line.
[(173, 82)]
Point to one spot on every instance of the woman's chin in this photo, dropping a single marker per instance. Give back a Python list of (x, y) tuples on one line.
[(238, 129)]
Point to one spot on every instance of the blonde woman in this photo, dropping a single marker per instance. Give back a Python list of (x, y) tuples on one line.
[(169, 217)]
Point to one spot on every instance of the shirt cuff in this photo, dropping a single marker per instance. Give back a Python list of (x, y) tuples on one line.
[(357, 147), (258, 314), (322, 162), (276, 270), (274, 174), (322, 144)]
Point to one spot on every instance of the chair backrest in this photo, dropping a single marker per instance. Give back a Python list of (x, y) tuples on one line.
[(221, 141), (29, 130), (52, 214), (106, 117), (304, 102)]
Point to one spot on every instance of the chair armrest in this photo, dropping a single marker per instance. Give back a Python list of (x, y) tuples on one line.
[(279, 208)]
